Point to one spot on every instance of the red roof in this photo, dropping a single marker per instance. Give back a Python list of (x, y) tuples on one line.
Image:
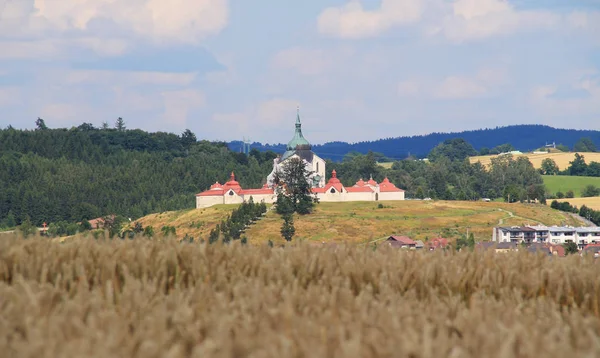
[(318, 190), (372, 182), (334, 182), (386, 187), (437, 243), (256, 191), (232, 184), (360, 183), (405, 240), (359, 189)]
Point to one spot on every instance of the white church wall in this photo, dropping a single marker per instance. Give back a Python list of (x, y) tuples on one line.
[(360, 196), (319, 167), (257, 198), (389, 196), (208, 201), (232, 198)]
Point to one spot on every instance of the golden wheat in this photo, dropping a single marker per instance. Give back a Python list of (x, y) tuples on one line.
[(140, 298)]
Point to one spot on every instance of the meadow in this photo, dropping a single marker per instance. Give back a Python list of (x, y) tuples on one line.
[(562, 183), (161, 298), (562, 159), (364, 222)]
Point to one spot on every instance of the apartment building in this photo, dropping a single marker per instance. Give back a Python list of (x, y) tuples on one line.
[(556, 235)]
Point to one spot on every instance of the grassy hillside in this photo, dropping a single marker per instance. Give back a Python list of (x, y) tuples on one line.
[(562, 159), (556, 183), (361, 222)]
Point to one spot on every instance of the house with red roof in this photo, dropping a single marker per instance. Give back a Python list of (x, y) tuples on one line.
[(401, 241), (438, 243)]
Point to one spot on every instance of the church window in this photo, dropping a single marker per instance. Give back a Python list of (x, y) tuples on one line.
[(317, 166), (332, 191), (230, 192)]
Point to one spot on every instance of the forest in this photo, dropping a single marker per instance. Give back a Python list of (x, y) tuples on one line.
[(521, 137), (51, 175), (82, 173)]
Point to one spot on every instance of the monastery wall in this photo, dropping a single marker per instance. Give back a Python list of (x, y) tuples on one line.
[(208, 201), (388, 196)]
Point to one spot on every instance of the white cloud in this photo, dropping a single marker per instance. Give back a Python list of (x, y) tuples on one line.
[(456, 87), (547, 100), (484, 82), (9, 96), (304, 61), (106, 26), (479, 19), (174, 20), (409, 88), (353, 21), (60, 112), (275, 111), (29, 49), (178, 105), (458, 21), (107, 77)]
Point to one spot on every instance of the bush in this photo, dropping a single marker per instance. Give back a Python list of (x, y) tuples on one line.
[(560, 195), (570, 194), (590, 191)]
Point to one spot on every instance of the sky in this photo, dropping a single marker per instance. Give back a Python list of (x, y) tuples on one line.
[(359, 70)]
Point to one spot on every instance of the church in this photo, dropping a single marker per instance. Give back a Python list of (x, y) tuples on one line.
[(331, 191)]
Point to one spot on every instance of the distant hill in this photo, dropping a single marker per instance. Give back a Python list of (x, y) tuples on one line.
[(522, 137)]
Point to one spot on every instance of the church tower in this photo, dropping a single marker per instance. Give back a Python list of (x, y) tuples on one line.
[(301, 148)]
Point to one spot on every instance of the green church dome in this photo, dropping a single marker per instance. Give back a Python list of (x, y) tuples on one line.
[(298, 142)]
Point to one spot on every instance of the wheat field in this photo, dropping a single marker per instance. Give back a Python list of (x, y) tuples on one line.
[(161, 298), (562, 159)]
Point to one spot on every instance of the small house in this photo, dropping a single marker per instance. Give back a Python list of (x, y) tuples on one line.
[(401, 241)]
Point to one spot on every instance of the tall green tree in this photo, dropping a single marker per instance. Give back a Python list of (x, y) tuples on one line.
[(453, 149), (40, 124), (287, 228), (578, 166), (585, 144), (549, 167), (294, 189), (120, 124)]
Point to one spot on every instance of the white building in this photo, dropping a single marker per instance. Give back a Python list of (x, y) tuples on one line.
[(333, 191), (299, 147), (556, 235)]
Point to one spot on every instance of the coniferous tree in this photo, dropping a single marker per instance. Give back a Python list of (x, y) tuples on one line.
[(40, 124), (294, 188), (287, 229), (120, 124)]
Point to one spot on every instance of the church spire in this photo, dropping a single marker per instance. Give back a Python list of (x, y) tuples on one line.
[(298, 142), (298, 124)]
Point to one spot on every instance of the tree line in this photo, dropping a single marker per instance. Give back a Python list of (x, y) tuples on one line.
[(82, 173), (585, 212), (449, 175)]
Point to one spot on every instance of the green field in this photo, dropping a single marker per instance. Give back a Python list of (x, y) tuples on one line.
[(556, 183)]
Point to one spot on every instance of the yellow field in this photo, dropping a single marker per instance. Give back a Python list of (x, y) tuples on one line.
[(386, 165), (361, 222), (562, 159), (592, 203), (159, 298)]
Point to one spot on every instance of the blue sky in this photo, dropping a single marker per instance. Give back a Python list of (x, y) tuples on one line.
[(360, 70)]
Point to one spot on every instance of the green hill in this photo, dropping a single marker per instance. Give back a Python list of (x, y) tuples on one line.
[(361, 222), (562, 183)]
